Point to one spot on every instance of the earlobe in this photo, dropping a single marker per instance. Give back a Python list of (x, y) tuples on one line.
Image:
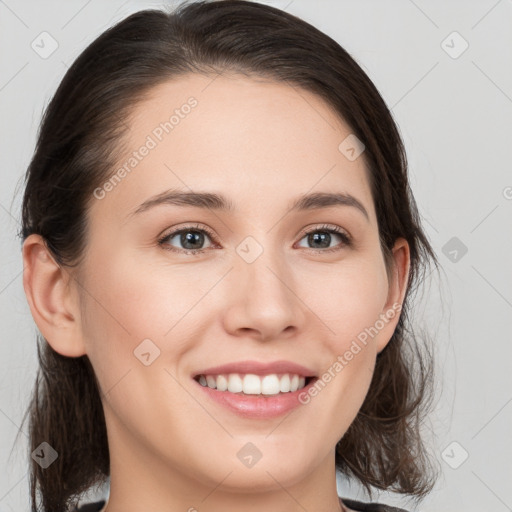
[(396, 290), (50, 297)]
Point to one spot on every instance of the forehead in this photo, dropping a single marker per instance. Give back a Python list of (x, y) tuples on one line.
[(245, 136)]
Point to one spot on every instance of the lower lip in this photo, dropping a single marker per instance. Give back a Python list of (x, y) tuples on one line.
[(257, 406)]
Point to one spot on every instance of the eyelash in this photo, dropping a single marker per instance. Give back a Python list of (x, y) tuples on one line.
[(346, 239)]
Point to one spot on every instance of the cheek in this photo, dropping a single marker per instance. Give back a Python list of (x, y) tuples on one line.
[(135, 299), (347, 297), (128, 312), (125, 306), (349, 307)]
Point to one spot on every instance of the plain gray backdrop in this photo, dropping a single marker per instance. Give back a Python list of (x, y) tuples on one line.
[(445, 70)]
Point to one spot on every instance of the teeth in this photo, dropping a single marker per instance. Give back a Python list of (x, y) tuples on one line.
[(294, 383), (235, 384), (270, 385), (222, 383), (284, 383), (251, 384)]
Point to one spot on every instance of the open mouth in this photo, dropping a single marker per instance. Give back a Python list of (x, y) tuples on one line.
[(255, 385)]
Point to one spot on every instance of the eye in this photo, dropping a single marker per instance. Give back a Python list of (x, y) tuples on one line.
[(191, 237), (322, 236)]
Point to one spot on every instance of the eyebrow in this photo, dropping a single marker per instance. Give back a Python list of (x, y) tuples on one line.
[(214, 201)]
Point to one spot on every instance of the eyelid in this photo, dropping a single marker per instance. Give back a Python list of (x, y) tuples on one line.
[(196, 226), (324, 227)]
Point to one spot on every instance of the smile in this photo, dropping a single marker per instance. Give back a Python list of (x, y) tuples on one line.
[(251, 384)]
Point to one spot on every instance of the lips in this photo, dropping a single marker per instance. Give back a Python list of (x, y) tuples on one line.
[(260, 398), (256, 390)]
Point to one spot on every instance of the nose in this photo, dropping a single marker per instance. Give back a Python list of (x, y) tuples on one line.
[(263, 299)]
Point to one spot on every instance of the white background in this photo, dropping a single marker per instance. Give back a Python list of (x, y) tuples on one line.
[(455, 115)]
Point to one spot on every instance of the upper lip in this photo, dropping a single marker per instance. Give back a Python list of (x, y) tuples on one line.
[(258, 368)]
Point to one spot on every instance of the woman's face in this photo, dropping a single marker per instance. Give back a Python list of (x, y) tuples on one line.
[(262, 291)]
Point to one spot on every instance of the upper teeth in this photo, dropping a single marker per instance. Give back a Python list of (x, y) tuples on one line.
[(251, 384)]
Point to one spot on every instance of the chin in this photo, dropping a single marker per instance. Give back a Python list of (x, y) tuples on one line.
[(270, 469)]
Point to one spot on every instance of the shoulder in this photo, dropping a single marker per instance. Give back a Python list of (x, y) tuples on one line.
[(90, 507), (359, 506)]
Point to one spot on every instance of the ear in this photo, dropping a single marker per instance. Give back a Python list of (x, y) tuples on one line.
[(52, 299), (397, 287)]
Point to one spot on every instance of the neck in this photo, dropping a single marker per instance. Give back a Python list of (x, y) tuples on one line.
[(143, 481)]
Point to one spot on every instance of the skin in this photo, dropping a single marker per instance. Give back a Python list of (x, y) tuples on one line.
[(261, 144)]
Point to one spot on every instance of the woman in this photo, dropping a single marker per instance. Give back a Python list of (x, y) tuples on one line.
[(198, 347)]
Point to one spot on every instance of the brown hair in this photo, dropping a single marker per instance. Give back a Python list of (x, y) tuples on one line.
[(76, 149)]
